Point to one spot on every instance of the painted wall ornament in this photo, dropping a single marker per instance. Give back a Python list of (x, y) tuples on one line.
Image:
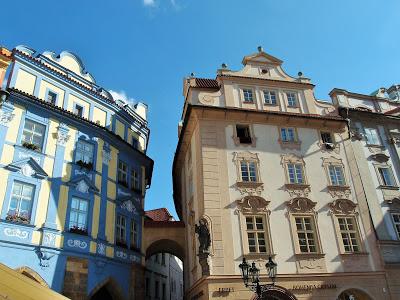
[(27, 170), (62, 134), (77, 244), (6, 117), (106, 153), (301, 205), (343, 206), (49, 239), (82, 187), (128, 205), (252, 204), (101, 249), (16, 232)]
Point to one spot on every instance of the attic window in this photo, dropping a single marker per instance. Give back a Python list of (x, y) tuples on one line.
[(264, 71)]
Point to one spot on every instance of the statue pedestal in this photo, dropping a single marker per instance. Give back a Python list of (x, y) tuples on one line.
[(205, 268)]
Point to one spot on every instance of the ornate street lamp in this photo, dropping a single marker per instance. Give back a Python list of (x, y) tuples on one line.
[(252, 274)]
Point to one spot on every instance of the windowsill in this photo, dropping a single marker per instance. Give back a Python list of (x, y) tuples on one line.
[(270, 104), (375, 146), (290, 144), (248, 102), (389, 187), (259, 255), (249, 183), (297, 186), (293, 106), (344, 254), (18, 223), (30, 150), (309, 255), (79, 232), (338, 187)]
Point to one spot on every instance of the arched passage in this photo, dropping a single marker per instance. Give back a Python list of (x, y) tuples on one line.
[(353, 294), (107, 290), (275, 292), (166, 246)]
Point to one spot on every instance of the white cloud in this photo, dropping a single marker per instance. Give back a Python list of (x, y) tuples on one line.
[(149, 2), (121, 95)]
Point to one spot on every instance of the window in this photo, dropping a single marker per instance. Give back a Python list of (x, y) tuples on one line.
[(306, 234), (386, 175), (248, 171), (78, 215), (372, 136), (248, 95), (288, 135), (78, 110), (33, 135), (121, 231), (147, 286), (134, 234), (326, 137), (164, 295), (51, 97), (163, 259), (292, 99), (336, 175), (135, 142), (243, 134), (295, 172), (256, 234), (134, 180), (349, 234), (21, 202), (157, 289), (269, 97), (396, 221), (123, 173), (84, 152)]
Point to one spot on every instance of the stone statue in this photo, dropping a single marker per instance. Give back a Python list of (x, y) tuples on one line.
[(203, 236)]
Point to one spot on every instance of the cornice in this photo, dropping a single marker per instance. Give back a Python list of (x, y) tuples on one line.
[(231, 76)]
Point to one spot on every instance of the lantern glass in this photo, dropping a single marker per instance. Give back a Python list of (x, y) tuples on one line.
[(254, 273), (271, 268)]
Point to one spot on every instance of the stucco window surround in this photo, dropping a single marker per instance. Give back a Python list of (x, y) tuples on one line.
[(347, 229), (336, 177), (254, 209), (270, 97), (304, 226), (250, 130), (292, 99), (295, 189), (386, 177), (247, 187), (286, 140), (247, 95)]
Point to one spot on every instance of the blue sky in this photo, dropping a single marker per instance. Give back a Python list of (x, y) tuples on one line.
[(144, 48)]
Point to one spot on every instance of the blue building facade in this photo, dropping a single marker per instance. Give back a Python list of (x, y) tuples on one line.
[(74, 173)]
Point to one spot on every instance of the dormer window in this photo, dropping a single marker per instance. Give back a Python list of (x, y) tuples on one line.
[(78, 110), (248, 95), (291, 99), (51, 97), (243, 134)]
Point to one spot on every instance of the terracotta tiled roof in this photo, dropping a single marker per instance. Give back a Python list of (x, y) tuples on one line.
[(206, 83), (159, 214), (392, 111)]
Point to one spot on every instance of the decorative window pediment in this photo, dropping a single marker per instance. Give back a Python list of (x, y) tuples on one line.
[(252, 204), (83, 184), (130, 205), (380, 157), (343, 206), (301, 205), (28, 167), (291, 158), (394, 203)]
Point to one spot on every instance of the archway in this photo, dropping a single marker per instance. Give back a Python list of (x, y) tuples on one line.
[(167, 246), (353, 294), (28, 272), (107, 290), (276, 292)]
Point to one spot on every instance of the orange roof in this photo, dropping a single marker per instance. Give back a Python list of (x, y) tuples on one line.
[(159, 214)]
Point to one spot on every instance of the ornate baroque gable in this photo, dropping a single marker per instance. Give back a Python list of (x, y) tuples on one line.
[(252, 204)]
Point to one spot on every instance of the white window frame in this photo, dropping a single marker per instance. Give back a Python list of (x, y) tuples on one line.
[(134, 234), (33, 133), (246, 94), (79, 212), (294, 167), (255, 231), (288, 134), (54, 102), (291, 102), (83, 154), (306, 231), (396, 224), (333, 175), (348, 232), (382, 178), (120, 228), (20, 199), (270, 97), (122, 173), (372, 136)]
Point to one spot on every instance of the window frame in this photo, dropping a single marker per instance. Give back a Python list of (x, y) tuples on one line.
[(245, 127), (84, 230), (243, 95), (133, 234), (47, 94), (268, 92), (377, 137), (292, 159), (286, 130), (296, 240), (126, 172), (82, 141), (32, 200), (121, 239), (256, 231), (44, 136), (296, 99), (356, 231), (395, 223), (76, 110), (381, 176)]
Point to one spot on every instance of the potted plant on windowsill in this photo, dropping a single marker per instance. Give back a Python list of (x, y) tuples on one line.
[(121, 243), (30, 146), (13, 217), (78, 230), (85, 165)]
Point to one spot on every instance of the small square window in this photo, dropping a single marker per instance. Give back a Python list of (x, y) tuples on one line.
[(269, 97), (51, 97), (78, 110), (243, 133), (248, 95), (292, 99)]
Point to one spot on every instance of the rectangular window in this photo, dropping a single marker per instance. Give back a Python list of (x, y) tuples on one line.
[(33, 135), (387, 178), (306, 234), (51, 97), (135, 142), (147, 286), (295, 172), (157, 290), (349, 234), (84, 152), (21, 202), (121, 231), (248, 171), (372, 136), (163, 259), (243, 133), (336, 175), (78, 110), (123, 173), (134, 234), (134, 180), (326, 137), (78, 215), (288, 135), (269, 97), (248, 95), (292, 99), (256, 235), (396, 222), (164, 295)]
